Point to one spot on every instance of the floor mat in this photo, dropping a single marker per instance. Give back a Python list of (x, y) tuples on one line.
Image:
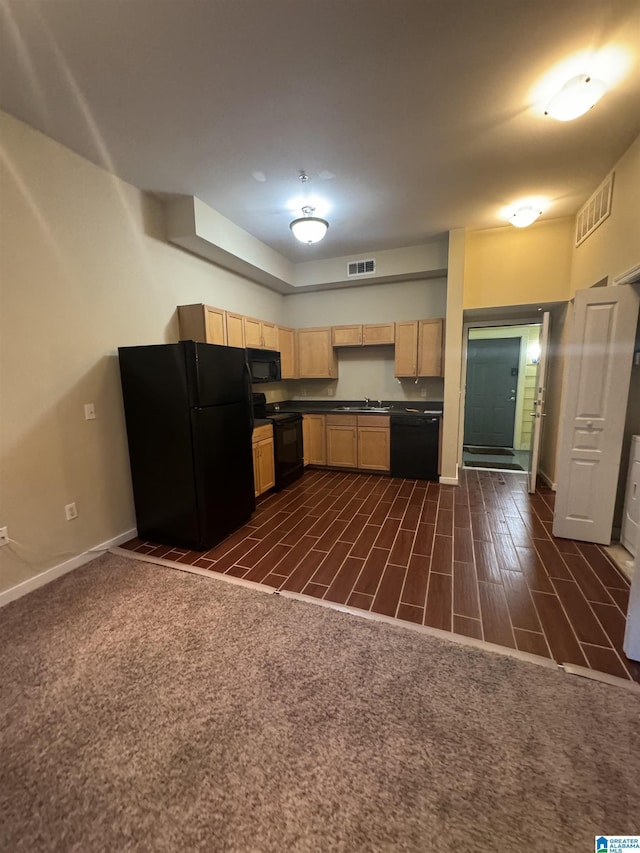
[(507, 466), (488, 451)]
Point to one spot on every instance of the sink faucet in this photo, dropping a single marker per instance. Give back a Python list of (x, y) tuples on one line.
[(379, 404), (367, 401)]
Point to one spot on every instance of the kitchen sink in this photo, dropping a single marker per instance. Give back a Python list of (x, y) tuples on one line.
[(363, 409)]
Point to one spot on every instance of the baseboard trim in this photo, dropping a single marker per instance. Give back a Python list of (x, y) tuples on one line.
[(548, 481), (54, 572), (449, 481)]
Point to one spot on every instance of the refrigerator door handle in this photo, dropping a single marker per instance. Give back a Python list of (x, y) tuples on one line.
[(247, 376)]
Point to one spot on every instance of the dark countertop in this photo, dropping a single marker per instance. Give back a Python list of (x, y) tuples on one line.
[(398, 407)]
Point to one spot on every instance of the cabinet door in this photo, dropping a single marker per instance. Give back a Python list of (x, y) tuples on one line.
[(269, 335), (266, 465), (316, 359), (252, 332), (346, 336), (287, 348), (378, 333), (316, 447), (201, 323), (406, 360), (373, 448), (374, 442), (430, 348), (305, 440), (256, 468), (342, 446), (235, 330), (215, 325)]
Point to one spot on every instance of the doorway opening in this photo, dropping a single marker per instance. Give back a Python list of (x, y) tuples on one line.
[(501, 395)]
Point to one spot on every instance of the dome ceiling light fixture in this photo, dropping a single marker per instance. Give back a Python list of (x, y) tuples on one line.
[(575, 98), (308, 228), (525, 210), (525, 215)]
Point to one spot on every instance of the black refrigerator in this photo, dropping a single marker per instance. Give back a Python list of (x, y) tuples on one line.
[(189, 426)]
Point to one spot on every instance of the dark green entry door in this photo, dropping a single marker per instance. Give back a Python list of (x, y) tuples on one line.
[(492, 383)]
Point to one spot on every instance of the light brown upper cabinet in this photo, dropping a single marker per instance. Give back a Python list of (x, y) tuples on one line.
[(235, 330), (419, 348), (287, 349), (430, 340), (316, 358), (259, 334), (346, 336), (202, 323), (366, 334), (378, 333)]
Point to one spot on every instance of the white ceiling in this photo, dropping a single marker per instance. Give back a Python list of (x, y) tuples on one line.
[(425, 112)]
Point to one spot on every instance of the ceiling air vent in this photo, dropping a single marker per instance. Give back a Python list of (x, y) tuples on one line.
[(361, 267), (595, 211)]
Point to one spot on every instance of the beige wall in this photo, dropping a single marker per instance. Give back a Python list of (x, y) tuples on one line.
[(368, 371), (375, 303), (614, 247), (453, 358), (518, 266), (84, 268)]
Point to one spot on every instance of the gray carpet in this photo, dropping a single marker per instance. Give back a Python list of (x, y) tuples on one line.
[(146, 709)]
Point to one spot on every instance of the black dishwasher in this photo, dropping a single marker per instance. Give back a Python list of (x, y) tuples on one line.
[(414, 446)]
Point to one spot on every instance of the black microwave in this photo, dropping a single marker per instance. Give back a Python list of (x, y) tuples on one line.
[(264, 365)]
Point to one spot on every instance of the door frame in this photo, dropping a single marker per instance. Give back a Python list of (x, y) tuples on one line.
[(487, 324)]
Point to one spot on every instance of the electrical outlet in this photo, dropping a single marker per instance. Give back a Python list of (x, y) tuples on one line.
[(71, 512), (4, 536), (89, 412)]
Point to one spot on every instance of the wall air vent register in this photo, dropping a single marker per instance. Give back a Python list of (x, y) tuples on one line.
[(361, 267), (595, 210)]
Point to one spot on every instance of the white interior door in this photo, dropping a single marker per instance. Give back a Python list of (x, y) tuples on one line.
[(538, 413), (600, 354), (632, 632)]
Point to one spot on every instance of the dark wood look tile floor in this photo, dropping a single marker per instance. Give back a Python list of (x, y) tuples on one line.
[(478, 559)]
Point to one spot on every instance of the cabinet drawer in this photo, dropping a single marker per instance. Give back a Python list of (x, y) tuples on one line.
[(373, 420), (342, 420), (262, 432), (378, 333)]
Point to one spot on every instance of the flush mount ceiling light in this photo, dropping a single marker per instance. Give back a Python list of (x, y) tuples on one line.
[(525, 215), (575, 98), (308, 228)]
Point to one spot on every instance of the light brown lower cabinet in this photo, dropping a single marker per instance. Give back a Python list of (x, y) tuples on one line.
[(373, 442), (342, 441), (314, 439), (264, 472), (357, 441)]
